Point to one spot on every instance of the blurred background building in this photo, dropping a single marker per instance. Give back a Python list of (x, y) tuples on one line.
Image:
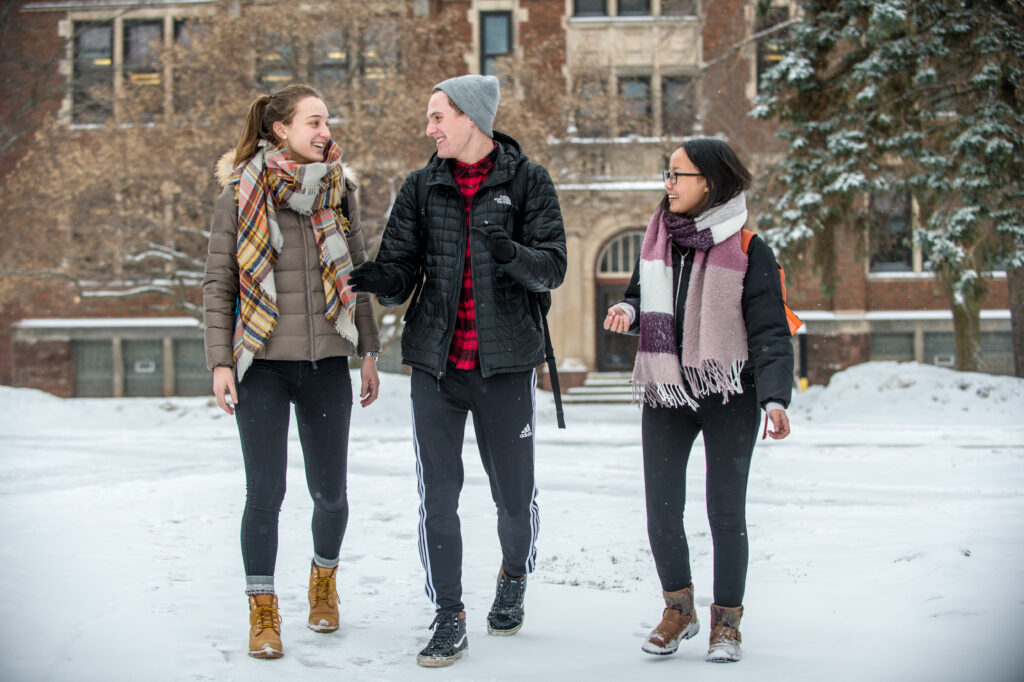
[(600, 91)]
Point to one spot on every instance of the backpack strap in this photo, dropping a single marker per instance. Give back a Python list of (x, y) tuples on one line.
[(792, 320), (518, 189)]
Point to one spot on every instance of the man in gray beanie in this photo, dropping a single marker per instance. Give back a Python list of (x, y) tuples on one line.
[(476, 237), (476, 96)]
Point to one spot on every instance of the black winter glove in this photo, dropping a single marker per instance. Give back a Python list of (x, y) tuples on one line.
[(497, 242), (373, 278)]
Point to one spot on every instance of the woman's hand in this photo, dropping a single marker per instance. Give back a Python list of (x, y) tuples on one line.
[(617, 320), (224, 385), (369, 381), (780, 424)]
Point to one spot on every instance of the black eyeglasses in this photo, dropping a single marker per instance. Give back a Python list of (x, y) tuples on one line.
[(671, 176)]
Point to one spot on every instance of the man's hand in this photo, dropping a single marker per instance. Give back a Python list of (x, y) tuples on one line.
[(373, 278), (497, 241)]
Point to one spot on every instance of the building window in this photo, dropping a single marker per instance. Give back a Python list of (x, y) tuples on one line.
[(495, 39), (141, 90), (143, 367), (770, 48), (92, 83), (636, 106), (591, 111), (190, 374), (890, 233), (94, 368), (634, 8), (939, 349), (678, 113), (590, 8), (618, 258), (678, 8), (330, 60), (142, 43), (892, 346)]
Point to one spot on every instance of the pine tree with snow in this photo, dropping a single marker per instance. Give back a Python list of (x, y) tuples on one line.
[(906, 96)]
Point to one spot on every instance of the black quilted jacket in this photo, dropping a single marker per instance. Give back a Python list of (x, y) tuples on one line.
[(508, 326)]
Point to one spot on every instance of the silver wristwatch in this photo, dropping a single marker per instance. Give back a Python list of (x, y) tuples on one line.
[(370, 354)]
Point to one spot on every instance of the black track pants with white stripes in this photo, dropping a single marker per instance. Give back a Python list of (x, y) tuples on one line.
[(503, 417)]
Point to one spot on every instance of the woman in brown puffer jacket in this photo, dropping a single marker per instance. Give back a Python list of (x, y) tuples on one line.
[(281, 324)]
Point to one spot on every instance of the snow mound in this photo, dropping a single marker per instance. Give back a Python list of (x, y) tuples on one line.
[(917, 393)]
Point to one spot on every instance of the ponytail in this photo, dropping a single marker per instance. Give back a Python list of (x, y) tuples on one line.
[(264, 112), (252, 130)]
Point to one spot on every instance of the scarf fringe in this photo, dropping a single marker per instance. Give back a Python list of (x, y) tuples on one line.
[(713, 377), (659, 394)]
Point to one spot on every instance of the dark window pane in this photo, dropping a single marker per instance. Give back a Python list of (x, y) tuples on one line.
[(632, 8), (330, 64), (143, 368), (678, 105), (678, 8), (891, 249), (940, 349), (591, 8), (142, 77), (770, 48), (636, 110), (190, 374), (892, 346), (495, 39), (92, 89), (94, 368), (591, 116)]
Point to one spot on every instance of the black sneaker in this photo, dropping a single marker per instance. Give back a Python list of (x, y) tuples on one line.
[(506, 616), (448, 643)]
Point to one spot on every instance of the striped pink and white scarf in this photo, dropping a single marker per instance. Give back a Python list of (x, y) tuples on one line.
[(714, 334)]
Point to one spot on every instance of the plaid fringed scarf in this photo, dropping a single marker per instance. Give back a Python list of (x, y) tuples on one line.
[(714, 334), (267, 182)]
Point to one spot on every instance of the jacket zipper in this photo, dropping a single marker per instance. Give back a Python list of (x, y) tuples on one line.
[(462, 260), (309, 290)]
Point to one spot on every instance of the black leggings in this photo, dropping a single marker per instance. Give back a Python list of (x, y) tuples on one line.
[(323, 406), (730, 432)]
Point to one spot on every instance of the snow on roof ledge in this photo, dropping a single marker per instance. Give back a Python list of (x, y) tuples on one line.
[(104, 322)]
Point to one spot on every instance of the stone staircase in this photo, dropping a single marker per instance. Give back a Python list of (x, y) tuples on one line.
[(601, 387)]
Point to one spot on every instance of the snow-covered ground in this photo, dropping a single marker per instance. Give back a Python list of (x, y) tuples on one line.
[(887, 543)]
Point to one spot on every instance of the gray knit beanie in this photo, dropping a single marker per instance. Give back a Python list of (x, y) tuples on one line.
[(477, 96)]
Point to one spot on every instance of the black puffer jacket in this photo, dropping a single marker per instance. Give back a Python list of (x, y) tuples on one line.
[(508, 326), (769, 349)]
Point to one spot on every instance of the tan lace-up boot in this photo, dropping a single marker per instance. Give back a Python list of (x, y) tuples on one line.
[(724, 646), (678, 622), (264, 627), (323, 599)]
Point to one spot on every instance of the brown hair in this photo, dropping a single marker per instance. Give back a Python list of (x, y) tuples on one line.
[(267, 110)]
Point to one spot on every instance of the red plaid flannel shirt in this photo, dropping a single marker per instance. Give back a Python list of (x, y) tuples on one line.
[(463, 351)]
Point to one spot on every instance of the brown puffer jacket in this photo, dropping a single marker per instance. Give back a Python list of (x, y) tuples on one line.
[(303, 332)]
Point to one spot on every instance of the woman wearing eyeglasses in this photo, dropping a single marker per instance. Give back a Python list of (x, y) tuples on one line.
[(714, 351)]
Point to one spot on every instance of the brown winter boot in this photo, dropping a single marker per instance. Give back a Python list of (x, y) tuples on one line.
[(725, 640), (323, 599), (678, 622), (264, 627)]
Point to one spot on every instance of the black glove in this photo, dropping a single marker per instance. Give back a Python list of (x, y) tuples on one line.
[(373, 278), (497, 242)]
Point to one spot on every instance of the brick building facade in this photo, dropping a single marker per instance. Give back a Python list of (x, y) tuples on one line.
[(683, 68)]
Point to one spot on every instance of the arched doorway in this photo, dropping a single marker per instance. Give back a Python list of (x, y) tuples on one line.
[(615, 352)]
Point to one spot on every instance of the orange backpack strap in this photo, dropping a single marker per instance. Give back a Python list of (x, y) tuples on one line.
[(745, 237), (794, 322)]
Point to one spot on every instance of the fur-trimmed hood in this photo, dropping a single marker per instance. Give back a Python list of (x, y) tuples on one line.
[(224, 169)]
